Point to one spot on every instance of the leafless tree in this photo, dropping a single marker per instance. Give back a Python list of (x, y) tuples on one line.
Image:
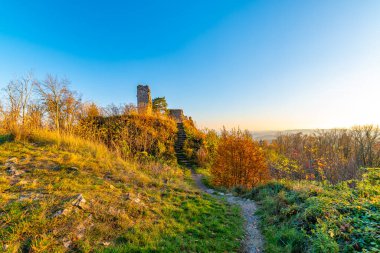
[(366, 140), (112, 110), (129, 109), (335, 154), (18, 95), (71, 110), (61, 104), (2, 114), (35, 115)]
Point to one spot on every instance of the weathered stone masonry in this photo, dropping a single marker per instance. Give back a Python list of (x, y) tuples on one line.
[(144, 104), (144, 99)]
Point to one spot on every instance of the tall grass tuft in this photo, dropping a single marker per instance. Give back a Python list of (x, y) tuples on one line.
[(72, 143)]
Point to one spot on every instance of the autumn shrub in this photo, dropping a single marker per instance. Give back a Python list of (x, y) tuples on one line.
[(133, 136), (239, 162)]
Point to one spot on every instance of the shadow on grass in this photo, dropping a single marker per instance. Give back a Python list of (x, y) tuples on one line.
[(6, 138)]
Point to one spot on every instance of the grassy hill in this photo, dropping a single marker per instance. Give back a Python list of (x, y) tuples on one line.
[(67, 194)]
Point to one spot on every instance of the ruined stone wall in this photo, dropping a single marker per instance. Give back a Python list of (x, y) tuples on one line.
[(144, 99), (177, 115)]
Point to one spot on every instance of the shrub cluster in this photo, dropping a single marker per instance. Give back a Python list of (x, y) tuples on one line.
[(314, 217), (239, 162), (133, 135)]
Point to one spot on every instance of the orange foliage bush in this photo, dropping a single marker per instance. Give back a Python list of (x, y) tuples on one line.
[(239, 161)]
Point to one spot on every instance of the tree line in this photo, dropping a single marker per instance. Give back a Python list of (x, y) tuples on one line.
[(28, 103), (334, 155), (235, 159)]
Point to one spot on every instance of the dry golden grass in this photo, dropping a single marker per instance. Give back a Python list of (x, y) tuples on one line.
[(72, 143)]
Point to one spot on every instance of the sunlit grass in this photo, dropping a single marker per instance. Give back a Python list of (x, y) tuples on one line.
[(71, 143), (304, 216), (129, 206)]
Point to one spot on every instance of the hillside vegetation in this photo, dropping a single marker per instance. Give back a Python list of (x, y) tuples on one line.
[(319, 217), (65, 193), (320, 195), (78, 177), (133, 135)]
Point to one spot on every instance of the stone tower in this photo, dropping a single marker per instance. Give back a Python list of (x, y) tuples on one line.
[(144, 99), (177, 115)]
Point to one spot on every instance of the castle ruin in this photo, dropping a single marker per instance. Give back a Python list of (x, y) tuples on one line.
[(177, 115), (144, 104), (144, 99)]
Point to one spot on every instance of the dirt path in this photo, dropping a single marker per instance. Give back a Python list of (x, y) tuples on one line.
[(253, 242)]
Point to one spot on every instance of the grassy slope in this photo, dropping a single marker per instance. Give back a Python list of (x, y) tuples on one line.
[(312, 217), (129, 207)]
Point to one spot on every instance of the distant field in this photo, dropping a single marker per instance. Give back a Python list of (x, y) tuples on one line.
[(271, 135)]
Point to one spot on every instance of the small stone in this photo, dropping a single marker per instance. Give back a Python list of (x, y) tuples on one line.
[(79, 201), (126, 196), (11, 170), (108, 176), (72, 170), (66, 243), (58, 213), (12, 160), (23, 197), (210, 191), (57, 168), (63, 212), (81, 229)]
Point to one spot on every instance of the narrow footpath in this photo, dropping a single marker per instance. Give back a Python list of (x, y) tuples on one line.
[(253, 241)]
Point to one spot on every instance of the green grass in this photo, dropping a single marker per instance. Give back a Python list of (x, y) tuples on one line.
[(130, 207), (320, 217), (206, 179), (5, 138)]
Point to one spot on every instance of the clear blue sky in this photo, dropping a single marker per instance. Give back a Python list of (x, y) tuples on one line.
[(259, 65)]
